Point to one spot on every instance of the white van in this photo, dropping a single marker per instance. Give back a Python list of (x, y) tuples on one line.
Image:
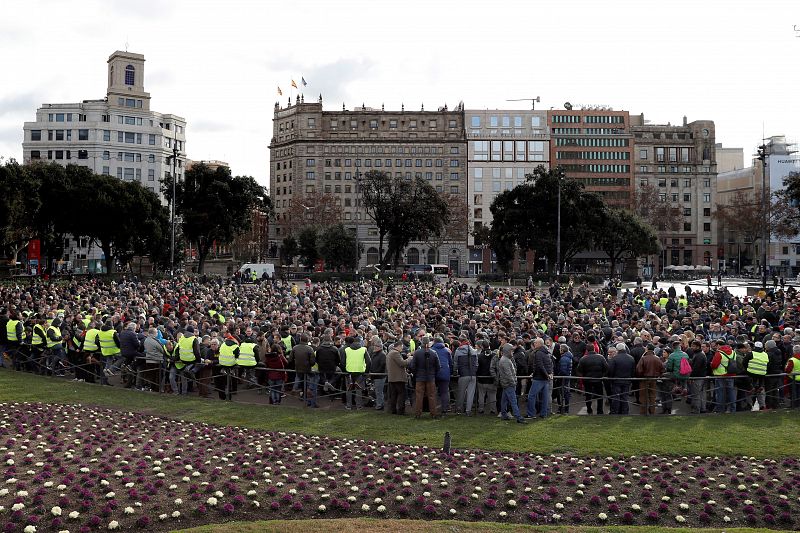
[(259, 269)]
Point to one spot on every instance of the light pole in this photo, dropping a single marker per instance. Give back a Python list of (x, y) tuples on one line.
[(172, 216), (558, 228), (762, 155)]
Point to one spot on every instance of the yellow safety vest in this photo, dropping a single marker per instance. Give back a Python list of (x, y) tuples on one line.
[(11, 331), (90, 340), (287, 343), (247, 354), (722, 369), (227, 354), (186, 349), (86, 322), (663, 301), (107, 345), (53, 343), (355, 360), (758, 364), (39, 337), (796, 367)]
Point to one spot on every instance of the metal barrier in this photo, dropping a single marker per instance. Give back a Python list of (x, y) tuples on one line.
[(226, 382)]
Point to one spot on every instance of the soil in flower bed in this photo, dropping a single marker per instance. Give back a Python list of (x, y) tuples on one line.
[(77, 468)]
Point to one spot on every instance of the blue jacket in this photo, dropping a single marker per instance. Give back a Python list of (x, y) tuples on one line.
[(424, 365), (445, 361)]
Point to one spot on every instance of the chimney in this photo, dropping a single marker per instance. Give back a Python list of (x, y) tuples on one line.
[(684, 120)]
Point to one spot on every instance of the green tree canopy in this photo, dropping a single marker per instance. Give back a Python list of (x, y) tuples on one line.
[(623, 235), (337, 245), (526, 217), (307, 246), (403, 211), (215, 206)]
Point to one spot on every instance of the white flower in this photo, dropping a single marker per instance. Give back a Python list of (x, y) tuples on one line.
[(74, 515), (474, 496), (163, 516), (636, 507), (612, 498), (398, 498), (512, 503), (556, 516), (113, 524), (680, 519), (129, 510), (219, 494), (3, 492), (665, 498), (48, 484), (322, 508), (18, 507), (256, 503), (726, 518), (10, 462), (351, 499), (110, 495), (578, 493), (212, 501), (365, 507), (30, 529), (503, 514), (602, 516), (559, 505), (453, 511), (22, 493), (381, 509), (56, 511), (176, 514)]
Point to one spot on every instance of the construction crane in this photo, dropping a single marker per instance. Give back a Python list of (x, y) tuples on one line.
[(531, 100)]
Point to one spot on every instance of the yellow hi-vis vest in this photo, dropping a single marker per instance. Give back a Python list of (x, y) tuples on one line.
[(355, 361), (722, 369), (107, 345), (39, 338), (795, 368), (53, 343), (90, 340), (227, 354), (247, 354), (758, 364), (11, 331), (287, 343), (186, 349)]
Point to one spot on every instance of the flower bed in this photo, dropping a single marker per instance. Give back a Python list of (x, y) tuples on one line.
[(75, 468)]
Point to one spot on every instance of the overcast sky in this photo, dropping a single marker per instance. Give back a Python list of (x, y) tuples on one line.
[(218, 63)]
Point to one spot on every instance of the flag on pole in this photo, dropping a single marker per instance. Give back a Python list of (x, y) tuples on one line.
[(294, 84), (280, 93), (303, 81)]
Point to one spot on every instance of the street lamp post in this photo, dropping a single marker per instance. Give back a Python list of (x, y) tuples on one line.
[(558, 228), (762, 155), (172, 216)]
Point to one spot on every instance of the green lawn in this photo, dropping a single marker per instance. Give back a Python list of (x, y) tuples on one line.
[(439, 526), (772, 434)]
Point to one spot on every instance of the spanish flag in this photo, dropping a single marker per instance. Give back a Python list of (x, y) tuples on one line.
[(294, 84), (280, 93)]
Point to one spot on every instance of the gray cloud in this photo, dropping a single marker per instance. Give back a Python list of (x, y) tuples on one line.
[(333, 79), (20, 103)]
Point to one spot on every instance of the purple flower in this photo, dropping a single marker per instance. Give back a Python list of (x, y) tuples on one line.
[(627, 518), (275, 506), (652, 516), (477, 512), (228, 508), (143, 522)]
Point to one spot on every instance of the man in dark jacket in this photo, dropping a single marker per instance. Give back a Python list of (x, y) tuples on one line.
[(697, 387), (542, 380), (650, 366), (425, 365), (564, 381), (377, 369), (131, 349), (396, 364), (303, 357), (327, 356), (487, 386), (621, 368), (636, 352), (774, 366), (593, 366)]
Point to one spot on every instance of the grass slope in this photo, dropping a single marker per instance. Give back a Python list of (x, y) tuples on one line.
[(772, 434), (414, 526)]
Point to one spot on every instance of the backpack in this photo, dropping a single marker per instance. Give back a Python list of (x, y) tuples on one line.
[(733, 364), (685, 368)]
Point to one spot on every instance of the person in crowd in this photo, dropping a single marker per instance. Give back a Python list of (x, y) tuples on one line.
[(377, 370), (466, 360), (621, 369), (542, 384), (396, 364), (507, 376), (593, 367), (425, 365)]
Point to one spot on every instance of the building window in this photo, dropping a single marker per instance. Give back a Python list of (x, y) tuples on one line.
[(454, 189), (83, 135), (662, 182), (454, 176), (151, 175), (59, 154), (151, 140), (475, 122), (83, 154), (706, 211), (130, 75), (687, 211), (151, 158), (687, 226), (393, 124), (36, 154), (706, 182), (373, 124), (106, 135), (36, 135), (707, 198), (106, 171), (707, 227), (660, 155), (643, 154), (311, 175)]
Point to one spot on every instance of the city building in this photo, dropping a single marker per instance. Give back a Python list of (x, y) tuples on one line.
[(594, 146), (678, 164), (729, 159), (503, 146), (741, 191), (315, 151), (118, 135)]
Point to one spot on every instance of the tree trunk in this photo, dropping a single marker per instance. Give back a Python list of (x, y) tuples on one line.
[(202, 253), (110, 267), (380, 251)]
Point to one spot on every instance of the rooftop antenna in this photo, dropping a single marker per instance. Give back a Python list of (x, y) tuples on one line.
[(126, 43), (533, 101)]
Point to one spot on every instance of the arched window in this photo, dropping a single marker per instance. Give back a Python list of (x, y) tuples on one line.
[(372, 256), (412, 255), (130, 75), (432, 256)]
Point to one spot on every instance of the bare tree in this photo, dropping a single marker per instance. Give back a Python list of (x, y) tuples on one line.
[(660, 214), (314, 209)]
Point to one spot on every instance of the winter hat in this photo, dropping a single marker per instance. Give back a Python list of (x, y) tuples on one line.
[(726, 349), (759, 345), (771, 344)]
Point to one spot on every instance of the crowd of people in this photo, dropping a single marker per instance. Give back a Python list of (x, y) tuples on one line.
[(509, 352)]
